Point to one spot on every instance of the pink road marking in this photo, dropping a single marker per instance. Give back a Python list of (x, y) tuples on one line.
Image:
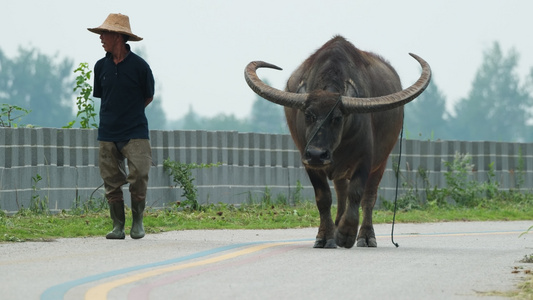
[(142, 291)]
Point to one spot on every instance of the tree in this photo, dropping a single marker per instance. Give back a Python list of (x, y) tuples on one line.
[(191, 120), (156, 115), (220, 122), (267, 117), (225, 122), (497, 106), (39, 83), (426, 117)]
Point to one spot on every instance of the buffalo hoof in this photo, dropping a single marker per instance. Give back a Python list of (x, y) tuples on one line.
[(323, 243), (346, 241), (371, 242)]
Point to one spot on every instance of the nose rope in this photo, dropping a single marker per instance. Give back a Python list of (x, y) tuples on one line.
[(320, 125), (396, 194)]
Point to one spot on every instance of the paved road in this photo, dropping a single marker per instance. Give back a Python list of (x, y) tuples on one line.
[(454, 260)]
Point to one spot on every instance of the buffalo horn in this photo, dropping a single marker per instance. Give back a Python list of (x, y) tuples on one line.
[(352, 104), (269, 93), (368, 105)]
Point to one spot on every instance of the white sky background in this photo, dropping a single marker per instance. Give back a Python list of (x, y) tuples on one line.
[(198, 49)]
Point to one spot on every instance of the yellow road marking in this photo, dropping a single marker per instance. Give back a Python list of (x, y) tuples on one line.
[(101, 291)]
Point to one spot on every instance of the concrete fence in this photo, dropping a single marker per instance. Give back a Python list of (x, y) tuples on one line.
[(61, 166)]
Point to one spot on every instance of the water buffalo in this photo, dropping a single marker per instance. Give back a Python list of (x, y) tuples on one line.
[(344, 109)]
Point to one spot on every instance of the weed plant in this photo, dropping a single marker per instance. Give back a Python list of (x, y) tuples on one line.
[(38, 205), (91, 205), (84, 102), (460, 191), (10, 115), (182, 176)]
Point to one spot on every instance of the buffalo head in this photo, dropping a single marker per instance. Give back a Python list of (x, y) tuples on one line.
[(325, 110)]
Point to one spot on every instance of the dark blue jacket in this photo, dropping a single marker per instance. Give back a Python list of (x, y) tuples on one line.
[(123, 89)]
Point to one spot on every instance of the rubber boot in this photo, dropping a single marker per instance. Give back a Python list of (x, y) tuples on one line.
[(137, 227), (116, 209)]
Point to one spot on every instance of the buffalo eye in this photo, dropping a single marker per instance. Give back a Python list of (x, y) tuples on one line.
[(336, 120), (310, 118)]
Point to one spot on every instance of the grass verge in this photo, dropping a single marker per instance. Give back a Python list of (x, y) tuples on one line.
[(44, 227)]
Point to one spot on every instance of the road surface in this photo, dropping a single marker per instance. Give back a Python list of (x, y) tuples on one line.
[(451, 260)]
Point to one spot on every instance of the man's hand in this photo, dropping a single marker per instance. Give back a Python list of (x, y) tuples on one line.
[(148, 101)]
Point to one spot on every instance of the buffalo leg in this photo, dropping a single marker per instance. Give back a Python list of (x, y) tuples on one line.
[(325, 236), (348, 221), (367, 236), (341, 188)]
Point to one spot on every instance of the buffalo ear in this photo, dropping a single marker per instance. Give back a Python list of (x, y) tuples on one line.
[(302, 88), (350, 89)]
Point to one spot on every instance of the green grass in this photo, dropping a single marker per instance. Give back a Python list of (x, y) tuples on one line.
[(42, 227)]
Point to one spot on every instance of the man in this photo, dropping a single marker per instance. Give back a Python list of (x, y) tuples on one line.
[(125, 84)]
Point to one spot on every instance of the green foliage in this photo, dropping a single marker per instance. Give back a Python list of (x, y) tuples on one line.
[(496, 100), (461, 190), (91, 205), (526, 232), (41, 82), (297, 197), (38, 205), (265, 198), (41, 227), (84, 102), (411, 199), (10, 115), (519, 173), (182, 175), (496, 93)]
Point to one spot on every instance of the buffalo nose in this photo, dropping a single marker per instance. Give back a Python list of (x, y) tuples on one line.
[(317, 156)]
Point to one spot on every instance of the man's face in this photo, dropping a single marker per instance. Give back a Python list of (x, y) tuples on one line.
[(109, 40)]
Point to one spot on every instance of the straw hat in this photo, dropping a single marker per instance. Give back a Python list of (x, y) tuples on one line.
[(116, 23)]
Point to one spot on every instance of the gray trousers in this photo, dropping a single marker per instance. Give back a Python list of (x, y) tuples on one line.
[(113, 171)]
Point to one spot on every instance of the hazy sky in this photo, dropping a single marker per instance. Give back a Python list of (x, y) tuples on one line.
[(198, 49)]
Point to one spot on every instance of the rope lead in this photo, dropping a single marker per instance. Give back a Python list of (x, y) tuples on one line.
[(396, 195)]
